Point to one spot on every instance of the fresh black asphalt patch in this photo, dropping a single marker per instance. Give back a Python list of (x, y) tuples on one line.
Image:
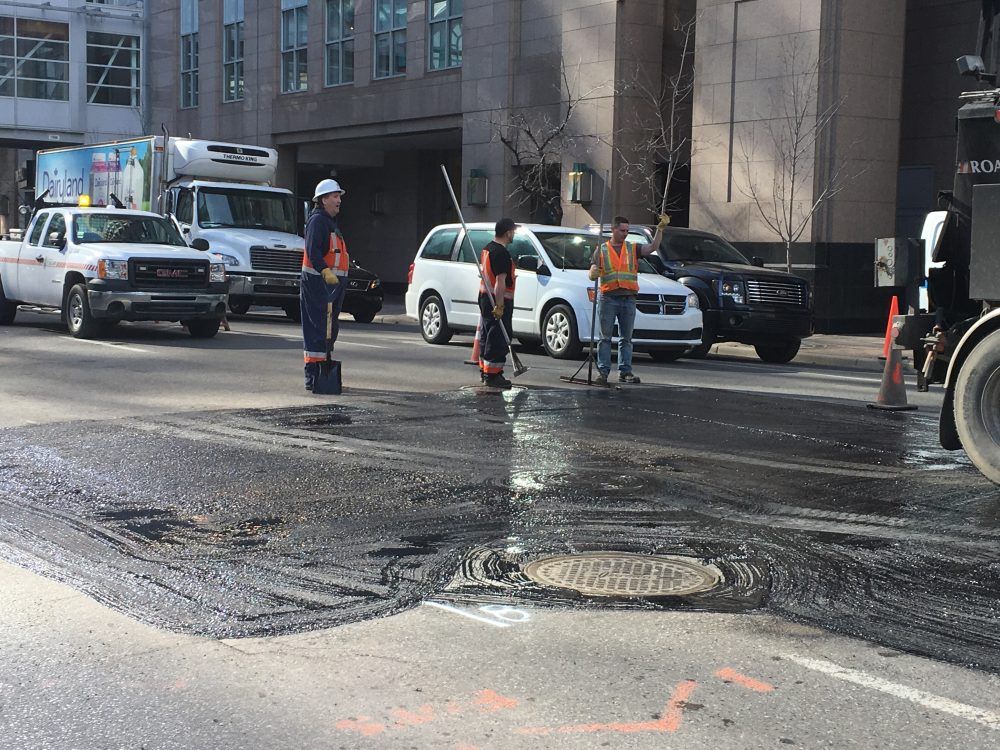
[(265, 522)]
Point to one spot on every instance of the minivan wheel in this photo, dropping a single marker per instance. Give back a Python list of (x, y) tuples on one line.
[(778, 354), (559, 333), (707, 342), (433, 321)]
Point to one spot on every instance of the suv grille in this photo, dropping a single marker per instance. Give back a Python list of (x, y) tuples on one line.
[(268, 259), (775, 292), (168, 274), (661, 304)]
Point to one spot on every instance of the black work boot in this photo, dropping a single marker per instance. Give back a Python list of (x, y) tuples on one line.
[(312, 370), (498, 381)]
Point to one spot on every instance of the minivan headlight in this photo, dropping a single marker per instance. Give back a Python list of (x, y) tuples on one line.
[(113, 270), (733, 290), (693, 303)]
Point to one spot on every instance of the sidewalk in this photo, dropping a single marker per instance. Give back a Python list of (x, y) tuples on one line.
[(860, 352)]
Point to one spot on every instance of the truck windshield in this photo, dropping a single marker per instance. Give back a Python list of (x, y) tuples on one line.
[(247, 209), (575, 251), (113, 227), (699, 248)]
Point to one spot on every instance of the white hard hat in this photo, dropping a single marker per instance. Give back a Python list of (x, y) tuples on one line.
[(327, 186)]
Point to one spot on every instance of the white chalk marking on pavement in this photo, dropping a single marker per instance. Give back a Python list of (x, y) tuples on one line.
[(110, 344), (929, 700), (465, 613)]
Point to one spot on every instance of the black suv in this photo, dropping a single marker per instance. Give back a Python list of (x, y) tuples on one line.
[(740, 300)]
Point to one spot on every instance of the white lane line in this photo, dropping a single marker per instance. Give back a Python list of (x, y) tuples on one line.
[(465, 613), (340, 342), (928, 700), (109, 344)]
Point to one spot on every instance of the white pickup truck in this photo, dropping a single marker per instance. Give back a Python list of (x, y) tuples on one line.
[(104, 265)]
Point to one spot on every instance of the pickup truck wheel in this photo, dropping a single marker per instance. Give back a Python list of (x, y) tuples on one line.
[(977, 406), (365, 315), (778, 354), (79, 320), (239, 307), (203, 329), (293, 312), (8, 309), (559, 335), (433, 321)]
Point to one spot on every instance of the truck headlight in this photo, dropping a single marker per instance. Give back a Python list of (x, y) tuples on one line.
[(693, 303), (227, 260), (375, 284), (733, 290), (113, 270), (217, 273)]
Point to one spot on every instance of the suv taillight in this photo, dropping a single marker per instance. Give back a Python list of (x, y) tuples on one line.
[(409, 276)]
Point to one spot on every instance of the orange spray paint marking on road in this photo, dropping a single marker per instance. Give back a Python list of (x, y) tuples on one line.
[(670, 721), (731, 675), (363, 725), (423, 715), (490, 701)]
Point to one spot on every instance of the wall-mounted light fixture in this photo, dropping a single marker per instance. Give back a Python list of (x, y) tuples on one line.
[(478, 191), (581, 183)]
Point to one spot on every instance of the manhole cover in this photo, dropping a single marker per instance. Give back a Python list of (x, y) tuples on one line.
[(625, 574)]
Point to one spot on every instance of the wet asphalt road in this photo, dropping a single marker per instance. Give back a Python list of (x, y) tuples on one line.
[(258, 512)]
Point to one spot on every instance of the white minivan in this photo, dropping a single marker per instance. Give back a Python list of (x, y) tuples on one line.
[(553, 299)]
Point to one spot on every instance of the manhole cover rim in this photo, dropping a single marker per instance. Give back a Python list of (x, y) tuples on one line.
[(706, 575)]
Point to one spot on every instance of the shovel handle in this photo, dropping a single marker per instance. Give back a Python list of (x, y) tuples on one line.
[(329, 328)]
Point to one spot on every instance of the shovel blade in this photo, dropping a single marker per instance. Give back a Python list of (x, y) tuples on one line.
[(328, 380)]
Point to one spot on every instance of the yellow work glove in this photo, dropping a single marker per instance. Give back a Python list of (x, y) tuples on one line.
[(664, 222), (330, 277), (498, 310), (595, 273)]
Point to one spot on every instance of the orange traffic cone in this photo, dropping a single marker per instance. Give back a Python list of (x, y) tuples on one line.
[(474, 360), (892, 392), (893, 312)]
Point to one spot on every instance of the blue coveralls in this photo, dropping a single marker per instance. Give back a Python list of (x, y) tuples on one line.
[(315, 294)]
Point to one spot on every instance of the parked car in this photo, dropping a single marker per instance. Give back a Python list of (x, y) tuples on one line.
[(363, 298), (740, 299), (553, 298)]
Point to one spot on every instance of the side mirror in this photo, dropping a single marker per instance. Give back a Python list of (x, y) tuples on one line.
[(543, 270), (199, 243), (527, 263), (757, 261)]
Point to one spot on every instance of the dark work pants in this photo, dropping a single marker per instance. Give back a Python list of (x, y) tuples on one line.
[(492, 344), (314, 295)]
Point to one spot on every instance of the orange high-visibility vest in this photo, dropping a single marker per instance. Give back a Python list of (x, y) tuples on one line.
[(491, 276), (336, 257), (618, 270)]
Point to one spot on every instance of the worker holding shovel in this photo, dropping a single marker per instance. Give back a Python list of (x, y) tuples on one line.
[(496, 309), (325, 265)]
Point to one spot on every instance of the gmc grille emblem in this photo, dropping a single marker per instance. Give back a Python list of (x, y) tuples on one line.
[(171, 273)]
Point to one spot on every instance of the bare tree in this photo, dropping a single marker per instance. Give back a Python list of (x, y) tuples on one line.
[(663, 144), (790, 196), (536, 139)]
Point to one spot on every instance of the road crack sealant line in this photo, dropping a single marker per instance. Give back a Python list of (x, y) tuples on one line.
[(210, 523)]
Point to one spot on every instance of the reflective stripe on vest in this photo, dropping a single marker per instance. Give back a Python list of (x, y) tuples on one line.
[(492, 277), (336, 257), (618, 270)]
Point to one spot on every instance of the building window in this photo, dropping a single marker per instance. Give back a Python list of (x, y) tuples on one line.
[(294, 25), (189, 53), (339, 42), (34, 59), (390, 38), (445, 20), (232, 50), (113, 69)]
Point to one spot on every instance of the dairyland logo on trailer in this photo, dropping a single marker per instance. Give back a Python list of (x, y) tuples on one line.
[(975, 166)]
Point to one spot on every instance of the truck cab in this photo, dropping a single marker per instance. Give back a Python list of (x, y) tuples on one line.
[(252, 230), (101, 266)]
